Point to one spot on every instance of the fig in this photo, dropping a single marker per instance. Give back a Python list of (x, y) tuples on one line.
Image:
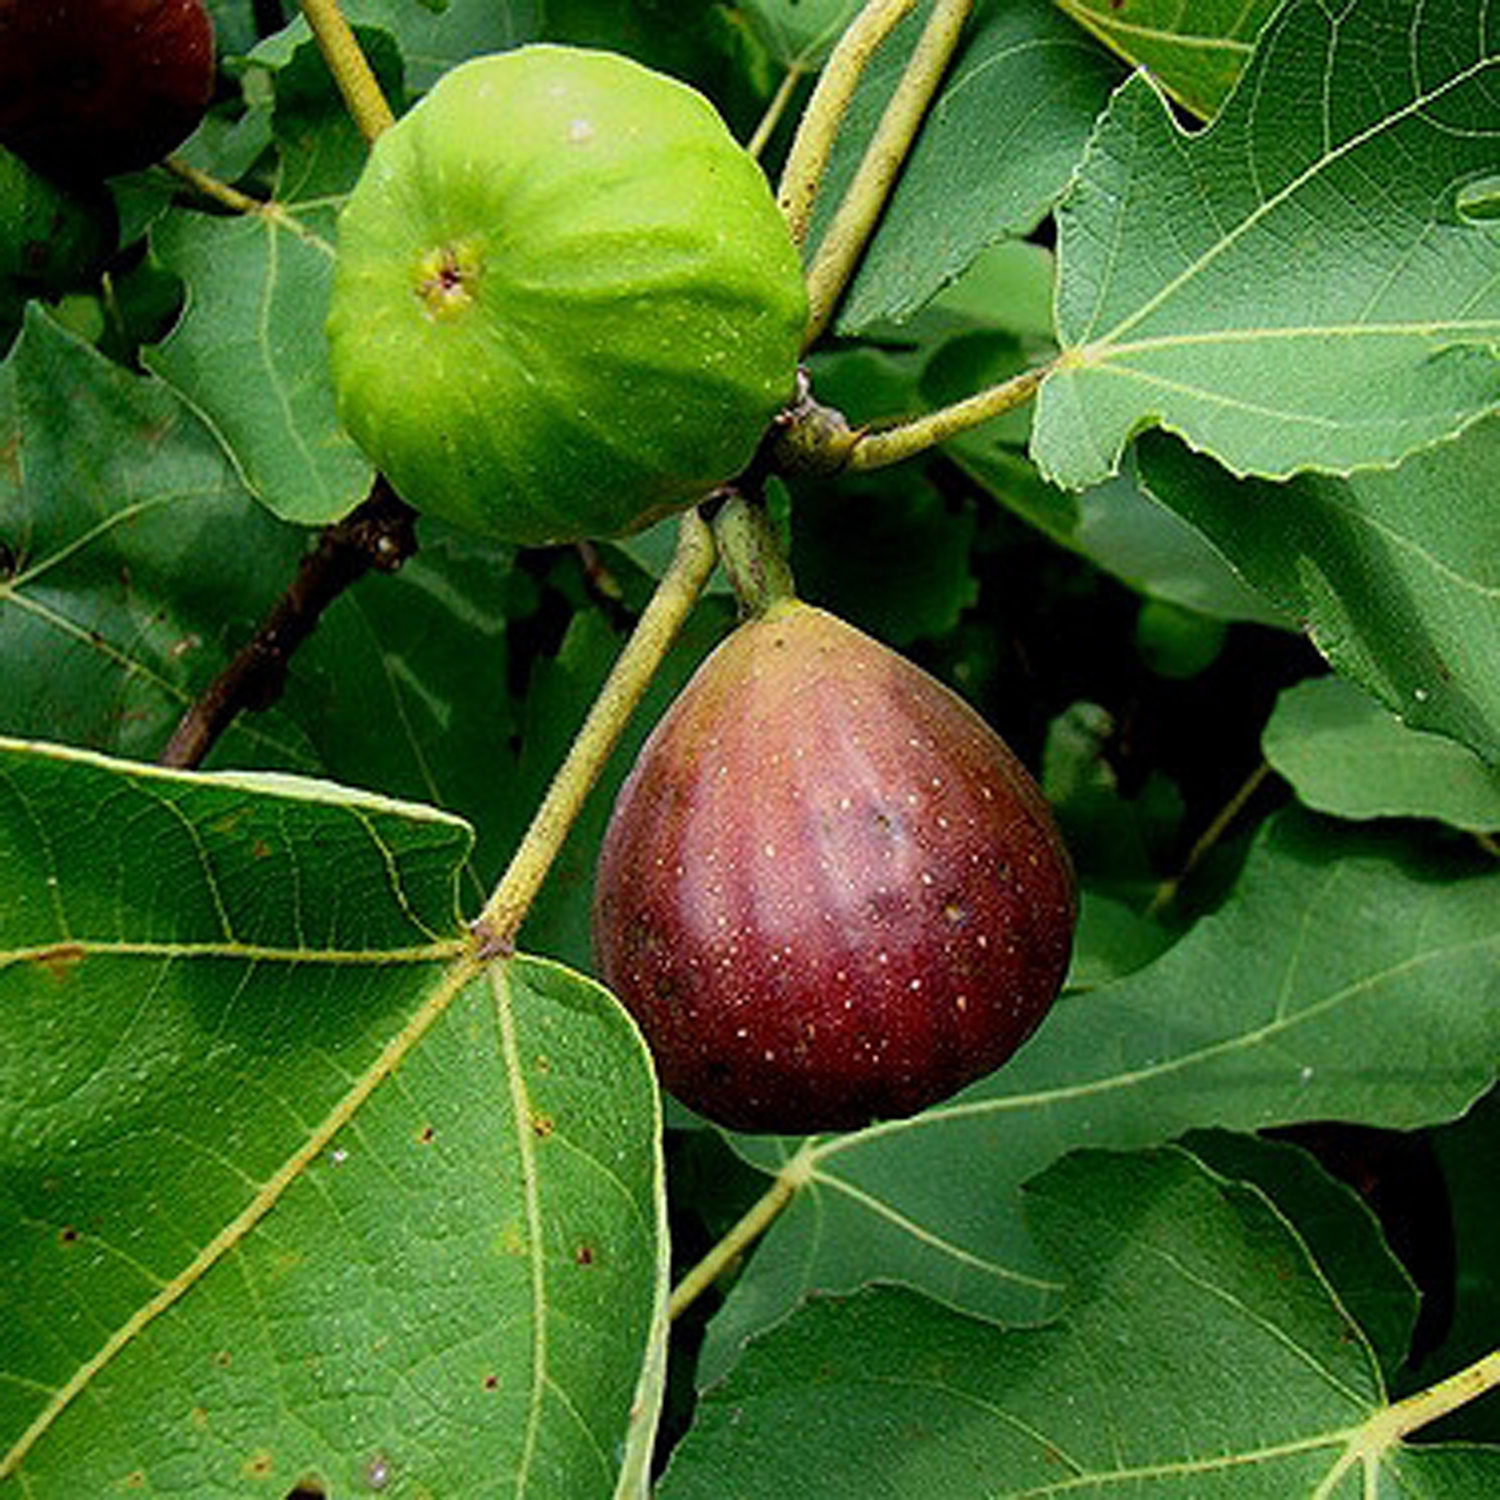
[(564, 303), (829, 892), (91, 88)]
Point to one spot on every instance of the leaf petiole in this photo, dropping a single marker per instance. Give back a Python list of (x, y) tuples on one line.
[(774, 110), (350, 68), (806, 161), (878, 449), (496, 926), (1368, 1442), (794, 1175), (864, 201)]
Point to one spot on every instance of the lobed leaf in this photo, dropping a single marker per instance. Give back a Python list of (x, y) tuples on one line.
[(1346, 755), (1195, 52), (1200, 1353), (1347, 977), (1295, 287), (1393, 574), (132, 552), (249, 352), (294, 1191)]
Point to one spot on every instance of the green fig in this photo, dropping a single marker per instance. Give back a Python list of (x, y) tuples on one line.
[(829, 892), (565, 303)]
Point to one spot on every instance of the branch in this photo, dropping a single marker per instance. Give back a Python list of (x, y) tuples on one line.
[(379, 534)]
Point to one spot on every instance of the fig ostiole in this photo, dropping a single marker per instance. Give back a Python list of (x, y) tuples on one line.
[(565, 303), (829, 892)]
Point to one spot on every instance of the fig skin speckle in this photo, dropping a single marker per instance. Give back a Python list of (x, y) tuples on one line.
[(829, 892)]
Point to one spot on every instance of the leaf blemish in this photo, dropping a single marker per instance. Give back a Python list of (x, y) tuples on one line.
[(61, 960)]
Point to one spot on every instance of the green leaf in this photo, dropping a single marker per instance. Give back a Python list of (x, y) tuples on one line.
[(1346, 977), (994, 154), (436, 37), (1392, 574), (295, 1190), (1120, 527), (1201, 1354), (1196, 53), (799, 33), (249, 353), (1340, 1231), (1294, 287), (910, 577), (1344, 754), (1468, 1150), (136, 556), (403, 686)]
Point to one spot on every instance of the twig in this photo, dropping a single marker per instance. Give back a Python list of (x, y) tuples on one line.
[(379, 534)]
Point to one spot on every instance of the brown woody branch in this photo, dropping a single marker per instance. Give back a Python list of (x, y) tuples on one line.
[(379, 534)]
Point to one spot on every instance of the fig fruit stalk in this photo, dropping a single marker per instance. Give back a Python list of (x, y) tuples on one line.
[(829, 892)]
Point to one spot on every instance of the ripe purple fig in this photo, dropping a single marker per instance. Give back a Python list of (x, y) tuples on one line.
[(829, 892), (89, 88)]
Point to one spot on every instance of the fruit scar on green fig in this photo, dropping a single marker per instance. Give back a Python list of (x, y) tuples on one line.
[(829, 893)]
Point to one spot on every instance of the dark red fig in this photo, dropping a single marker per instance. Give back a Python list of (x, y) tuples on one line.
[(829, 892), (89, 88)]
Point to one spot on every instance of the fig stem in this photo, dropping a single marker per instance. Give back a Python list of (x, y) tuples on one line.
[(864, 200), (807, 160), (788, 1182), (775, 109), (752, 555), (496, 926), (876, 450), (350, 68)]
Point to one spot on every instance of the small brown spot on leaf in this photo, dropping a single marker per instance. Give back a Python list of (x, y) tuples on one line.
[(492, 1382), (258, 1465), (542, 1126), (135, 1480), (223, 1359), (426, 1135), (584, 1255), (68, 1234), (61, 960), (198, 1416)]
